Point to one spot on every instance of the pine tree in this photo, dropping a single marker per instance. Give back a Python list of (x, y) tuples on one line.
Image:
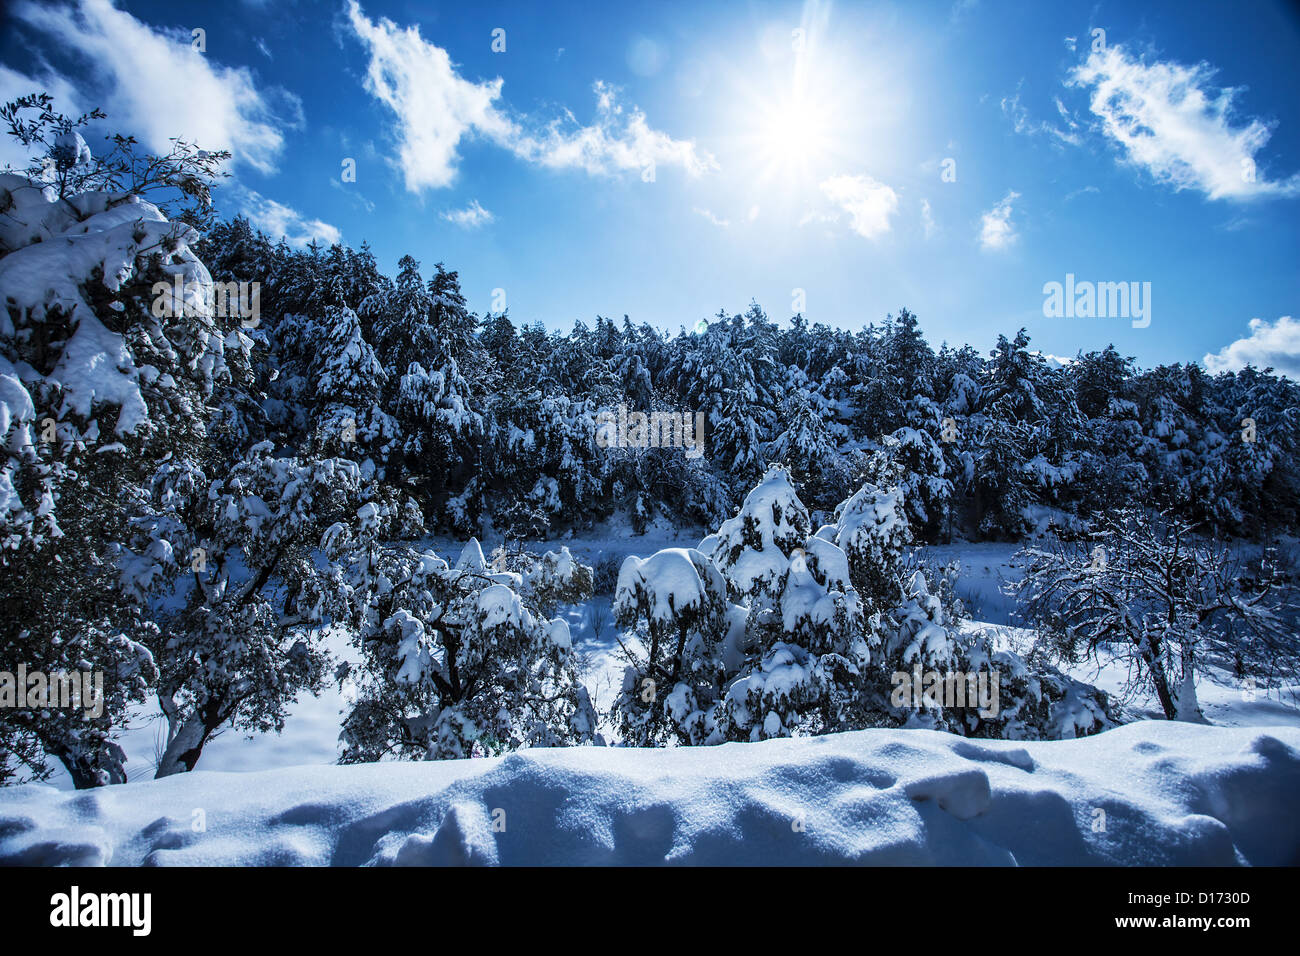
[(457, 664), (670, 686)]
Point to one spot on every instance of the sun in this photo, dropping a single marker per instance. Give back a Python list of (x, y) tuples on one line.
[(802, 108), (794, 134)]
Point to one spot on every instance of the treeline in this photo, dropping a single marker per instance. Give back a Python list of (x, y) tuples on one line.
[(491, 426)]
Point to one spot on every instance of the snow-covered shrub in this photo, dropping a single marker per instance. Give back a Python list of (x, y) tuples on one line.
[(1036, 701), (872, 530), (804, 654), (942, 679), (604, 574), (669, 688), (809, 651), (557, 578), (918, 642), (457, 664), (943, 578), (783, 693), (752, 550)]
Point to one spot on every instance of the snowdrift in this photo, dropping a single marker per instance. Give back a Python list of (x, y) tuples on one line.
[(1149, 793)]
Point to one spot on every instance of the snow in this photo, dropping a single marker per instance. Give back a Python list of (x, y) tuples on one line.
[(669, 578), (59, 245), (70, 150), (17, 415), (311, 730), (804, 598), (471, 558), (1170, 793), (1154, 793), (752, 548)]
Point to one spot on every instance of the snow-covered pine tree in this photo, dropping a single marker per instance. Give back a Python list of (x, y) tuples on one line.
[(1005, 434), (101, 375), (871, 529), (422, 334), (341, 383), (457, 664), (912, 460), (808, 445), (557, 578), (809, 652), (753, 549), (673, 679)]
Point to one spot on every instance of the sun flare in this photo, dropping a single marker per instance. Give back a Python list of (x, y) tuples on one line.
[(795, 133)]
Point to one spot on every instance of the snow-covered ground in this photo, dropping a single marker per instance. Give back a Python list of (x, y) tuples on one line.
[(1151, 793)]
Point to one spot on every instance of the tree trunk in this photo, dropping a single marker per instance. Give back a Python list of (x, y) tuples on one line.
[(185, 748), (1150, 654), (84, 776), (677, 658)]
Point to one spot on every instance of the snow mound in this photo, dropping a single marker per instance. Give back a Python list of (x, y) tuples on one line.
[(1151, 793)]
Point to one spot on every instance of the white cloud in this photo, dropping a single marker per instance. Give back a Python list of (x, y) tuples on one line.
[(1172, 122), (720, 223), (276, 219), (1275, 345), (927, 220), (156, 86), (617, 141), (471, 217), (1019, 116), (437, 109), (996, 229), (868, 203)]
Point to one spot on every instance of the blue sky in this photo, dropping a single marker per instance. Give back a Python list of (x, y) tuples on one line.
[(665, 160)]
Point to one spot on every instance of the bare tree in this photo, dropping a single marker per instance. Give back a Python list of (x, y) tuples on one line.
[(1166, 600), (178, 182)]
